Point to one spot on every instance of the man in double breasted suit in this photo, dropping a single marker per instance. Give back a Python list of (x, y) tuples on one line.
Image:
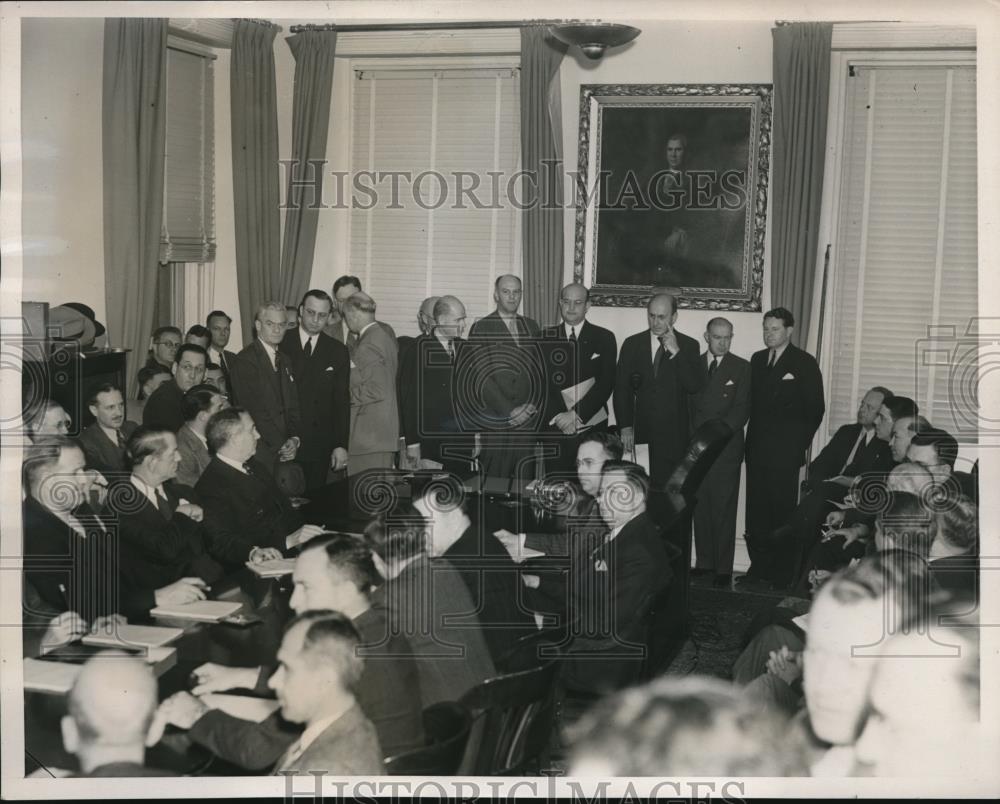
[(322, 370), (786, 408), (263, 381), (374, 406), (726, 396), (657, 371)]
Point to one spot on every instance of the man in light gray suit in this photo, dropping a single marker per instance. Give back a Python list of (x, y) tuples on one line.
[(200, 403), (726, 396), (374, 407)]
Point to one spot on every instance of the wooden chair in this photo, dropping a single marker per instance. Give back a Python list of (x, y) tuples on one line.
[(446, 725)]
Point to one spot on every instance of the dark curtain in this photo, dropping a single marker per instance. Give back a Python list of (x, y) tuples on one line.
[(134, 132), (542, 222), (801, 93), (314, 57), (255, 168)]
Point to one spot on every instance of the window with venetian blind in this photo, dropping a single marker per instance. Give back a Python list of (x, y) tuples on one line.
[(444, 122), (904, 279), (188, 233)]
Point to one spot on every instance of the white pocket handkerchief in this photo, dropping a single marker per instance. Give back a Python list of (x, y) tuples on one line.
[(789, 376), (352, 365), (730, 382), (595, 354), (329, 368), (601, 565)]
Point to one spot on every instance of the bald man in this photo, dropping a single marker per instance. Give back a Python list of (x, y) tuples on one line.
[(658, 371), (110, 713), (507, 385), (428, 377)]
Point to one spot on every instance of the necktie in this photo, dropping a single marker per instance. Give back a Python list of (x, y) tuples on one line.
[(164, 505), (572, 334), (660, 352), (770, 362), (308, 348), (352, 341), (512, 328), (121, 441), (450, 348), (713, 366)]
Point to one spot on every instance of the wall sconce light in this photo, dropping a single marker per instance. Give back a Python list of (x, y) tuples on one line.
[(593, 38)]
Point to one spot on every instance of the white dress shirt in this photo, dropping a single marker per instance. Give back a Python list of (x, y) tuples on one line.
[(239, 467), (305, 337), (271, 353), (577, 327), (150, 492), (777, 353)]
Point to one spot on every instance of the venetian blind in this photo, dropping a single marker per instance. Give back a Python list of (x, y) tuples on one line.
[(905, 272), (188, 233), (441, 129)]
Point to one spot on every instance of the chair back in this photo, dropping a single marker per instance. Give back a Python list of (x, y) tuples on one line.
[(446, 725), (513, 718)]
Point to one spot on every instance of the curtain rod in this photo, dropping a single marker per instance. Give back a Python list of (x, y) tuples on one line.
[(424, 26), (265, 23)]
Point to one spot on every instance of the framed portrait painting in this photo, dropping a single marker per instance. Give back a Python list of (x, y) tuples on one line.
[(672, 193)]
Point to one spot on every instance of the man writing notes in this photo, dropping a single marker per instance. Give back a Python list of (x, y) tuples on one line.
[(786, 408), (726, 396), (322, 369), (512, 390), (657, 371), (587, 378)]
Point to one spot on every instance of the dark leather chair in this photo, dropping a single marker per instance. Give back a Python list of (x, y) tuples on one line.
[(513, 720), (446, 726)]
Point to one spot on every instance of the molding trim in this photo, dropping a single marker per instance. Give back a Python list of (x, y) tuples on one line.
[(429, 43), (211, 32), (901, 35)]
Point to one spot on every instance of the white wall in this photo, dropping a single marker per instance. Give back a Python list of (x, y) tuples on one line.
[(62, 215)]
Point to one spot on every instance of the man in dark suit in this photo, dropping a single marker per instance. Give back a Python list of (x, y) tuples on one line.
[(163, 353), (425, 324), (247, 517), (506, 385), (219, 326), (165, 408), (624, 573), (592, 353), (428, 391), (262, 380), (483, 562), (330, 574), (322, 371), (159, 526), (726, 396), (786, 408), (658, 370), (104, 441)]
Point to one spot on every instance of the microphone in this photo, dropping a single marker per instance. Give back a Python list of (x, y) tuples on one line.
[(635, 381)]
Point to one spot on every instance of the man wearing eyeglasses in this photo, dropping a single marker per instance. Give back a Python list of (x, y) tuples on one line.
[(166, 341), (165, 408)]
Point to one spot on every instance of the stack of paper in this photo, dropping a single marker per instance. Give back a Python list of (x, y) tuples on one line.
[(203, 610), (150, 636), (242, 706), (572, 396), (51, 677), (274, 568)]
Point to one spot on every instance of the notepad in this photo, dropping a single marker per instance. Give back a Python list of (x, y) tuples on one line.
[(202, 610), (242, 706), (274, 568), (150, 636), (571, 396), (642, 456), (52, 677)]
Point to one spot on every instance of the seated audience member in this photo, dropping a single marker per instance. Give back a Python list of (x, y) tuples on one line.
[(447, 644), (954, 553), (163, 354), (43, 627), (58, 522), (692, 726), (247, 517), (338, 574), (621, 578), (923, 710), (149, 380), (165, 408), (903, 430), (319, 667), (104, 441), (216, 377), (160, 530), (937, 450), (109, 717), (200, 403), (483, 562), (199, 336), (891, 411), (49, 420), (219, 326), (905, 523)]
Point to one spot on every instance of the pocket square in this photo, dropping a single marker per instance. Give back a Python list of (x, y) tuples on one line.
[(595, 354), (600, 565), (789, 376), (729, 382), (329, 368), (352, 365)]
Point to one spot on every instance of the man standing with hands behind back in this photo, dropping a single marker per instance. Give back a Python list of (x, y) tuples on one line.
[(657, 371), (726, 396), (786, 408)]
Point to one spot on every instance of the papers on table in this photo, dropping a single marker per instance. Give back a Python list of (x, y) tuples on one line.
[(571, 396), (202, 610), (642, 456), (52, 677), (242, 706), (516, 547), (150, 636), (274, 568)]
